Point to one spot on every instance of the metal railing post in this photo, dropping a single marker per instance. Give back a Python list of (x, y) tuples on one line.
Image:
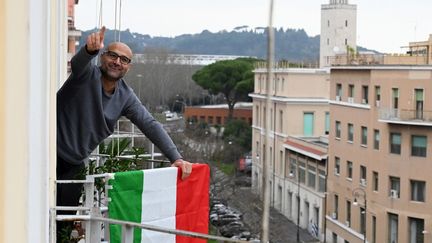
[(127, 233), (95, 226), (89, 203)]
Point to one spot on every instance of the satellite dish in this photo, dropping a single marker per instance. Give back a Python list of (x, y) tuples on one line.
[(335, 49)]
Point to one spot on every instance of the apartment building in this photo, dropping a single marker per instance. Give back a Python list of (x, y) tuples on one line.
[(73, 34), (380, 150), (304, 183), (299, 107)]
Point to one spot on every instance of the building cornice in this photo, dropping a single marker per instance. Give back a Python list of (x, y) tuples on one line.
[(384, 67), (296, 100), (354, 105)]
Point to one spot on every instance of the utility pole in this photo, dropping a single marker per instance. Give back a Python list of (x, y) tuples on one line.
[(266, 161)]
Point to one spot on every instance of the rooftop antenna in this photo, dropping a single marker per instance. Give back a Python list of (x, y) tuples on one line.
[(118, 12)]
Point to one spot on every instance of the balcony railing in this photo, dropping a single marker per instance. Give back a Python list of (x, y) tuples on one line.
[(404, 116)]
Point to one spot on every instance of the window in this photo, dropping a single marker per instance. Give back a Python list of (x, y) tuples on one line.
[(365, 94), (348, 213), (289, 203), (373, 229), (328, 41), (394, 187), (393, 228), (210, 120), (327, 122), (257, 148), (395, 143), (293, 167), (362, 220), (350, 132), (346, 23), (416, 228), (351, 90), (257, 116), (334, 238), (419, 103), (308, 123), (338, 92), (311, 177), (218, 120), (377, 96), (418, 145), (364, 135), (395, 98), (336, 206), (375, 182), (337, 166), (321, 181), (376, 139), (338, 129), (346, 41), (349, 169), (418, 190), (302, 172), (281, 121), (281, 161), (271, 120), (363, 174), (328, 23)]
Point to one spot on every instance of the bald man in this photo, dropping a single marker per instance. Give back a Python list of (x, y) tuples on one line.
[(89, 104)]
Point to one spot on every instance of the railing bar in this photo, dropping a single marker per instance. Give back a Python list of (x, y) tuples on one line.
[(71, 208), (166, 230), (72, 181), (73, 217), (147, 227)]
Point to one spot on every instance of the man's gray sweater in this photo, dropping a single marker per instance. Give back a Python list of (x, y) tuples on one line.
[(86, 115)]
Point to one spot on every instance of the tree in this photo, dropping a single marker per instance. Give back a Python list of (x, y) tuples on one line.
[(232, 78)]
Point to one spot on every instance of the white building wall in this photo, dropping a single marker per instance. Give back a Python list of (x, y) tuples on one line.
[(338, 29)]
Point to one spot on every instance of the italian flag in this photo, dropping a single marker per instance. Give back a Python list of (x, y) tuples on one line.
[(160, 197)]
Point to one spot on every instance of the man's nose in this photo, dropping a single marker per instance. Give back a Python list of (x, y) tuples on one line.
[(117, 61)]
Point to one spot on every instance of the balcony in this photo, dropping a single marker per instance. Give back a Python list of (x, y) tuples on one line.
[(405, 117)]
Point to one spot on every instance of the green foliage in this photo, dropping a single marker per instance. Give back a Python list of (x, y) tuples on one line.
[(227, 168), (232, 78), (112, 163), (238, 132)]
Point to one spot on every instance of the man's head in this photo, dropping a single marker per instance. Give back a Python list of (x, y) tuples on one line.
[(115, 61)]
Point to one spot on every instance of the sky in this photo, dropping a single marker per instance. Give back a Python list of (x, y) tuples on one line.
[(382, 25)]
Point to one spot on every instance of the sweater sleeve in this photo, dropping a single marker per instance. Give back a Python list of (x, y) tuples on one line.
[(81, 63), (153, 130)]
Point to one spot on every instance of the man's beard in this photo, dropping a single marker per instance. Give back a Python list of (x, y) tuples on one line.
[(109, 75)]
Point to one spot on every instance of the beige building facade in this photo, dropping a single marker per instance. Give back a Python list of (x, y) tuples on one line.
[(33, 47), (299, 108), (380, 150)]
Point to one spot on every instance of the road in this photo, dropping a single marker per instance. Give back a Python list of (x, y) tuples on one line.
[(249, 204)]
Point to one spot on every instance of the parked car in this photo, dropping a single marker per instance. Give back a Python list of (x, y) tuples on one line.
[(245, 164)]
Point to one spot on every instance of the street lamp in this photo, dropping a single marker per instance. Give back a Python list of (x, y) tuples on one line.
[(356, 193), (298, 204)]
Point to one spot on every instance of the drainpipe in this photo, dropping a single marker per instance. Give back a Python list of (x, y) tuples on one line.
[(325, 202)]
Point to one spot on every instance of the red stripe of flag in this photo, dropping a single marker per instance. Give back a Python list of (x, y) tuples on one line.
[(192, 210)]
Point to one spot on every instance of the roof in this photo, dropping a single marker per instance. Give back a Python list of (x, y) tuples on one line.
[(238, 105), (305, 150)]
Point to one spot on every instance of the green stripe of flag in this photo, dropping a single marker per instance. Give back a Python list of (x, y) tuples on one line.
[(127, 190)]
